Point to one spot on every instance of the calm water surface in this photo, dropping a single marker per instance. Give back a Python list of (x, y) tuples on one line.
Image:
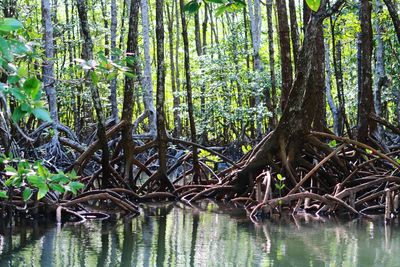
[(209, 235)]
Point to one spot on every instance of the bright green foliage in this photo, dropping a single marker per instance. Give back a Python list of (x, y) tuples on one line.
[(280, 184), (332, 144), (224, 6), (9, 25), (35, 178), (24, 89), (313, 4)]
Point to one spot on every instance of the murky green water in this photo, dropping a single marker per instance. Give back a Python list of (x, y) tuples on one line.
[(207, 236)]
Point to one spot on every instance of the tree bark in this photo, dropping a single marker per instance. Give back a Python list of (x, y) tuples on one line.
[(88, 55), (255, 29), (284, 42), (113, 83), (48, 64), (380, 77), (317, 79), (365, 125), (328, 88), (130, 83), (294, 31), (271, 50), (196, 167), (177, 102), (162, 138), (289, 136), (394, 14), (147, 81)]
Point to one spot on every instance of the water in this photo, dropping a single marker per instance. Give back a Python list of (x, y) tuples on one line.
[(210, 235)]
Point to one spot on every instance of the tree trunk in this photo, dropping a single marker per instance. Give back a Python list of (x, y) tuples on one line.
[(317, 79), (147, 81), (88, 55), (365, 125), (380, 77), (130, 83), (196, 168), (286, 62), (177, 102), (271, 63), (294, 31), (289, 136), (394, 14), (255, 29), (162, 138), (113, 83), (331, 101), (48, 64)]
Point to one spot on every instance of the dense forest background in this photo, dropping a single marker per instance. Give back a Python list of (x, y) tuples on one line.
[(111, 89), (237, 69)]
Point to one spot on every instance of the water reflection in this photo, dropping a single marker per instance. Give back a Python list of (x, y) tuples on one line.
[(208, 235)]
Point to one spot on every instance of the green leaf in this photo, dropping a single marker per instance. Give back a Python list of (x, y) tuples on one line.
[(220, 10), (9, 25), (369, 151), (43, 189), (3, 194), (27, 194), (32, 86), (57, 187), (41, 114), (94, 77), (313, 4), (18, 114), (36, 180), (332, 143), (59, 178), (75, 186), (279, 176), (17, 94), (22, 71), (192, 7)]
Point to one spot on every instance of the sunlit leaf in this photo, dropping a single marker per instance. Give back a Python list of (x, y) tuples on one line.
[(3, 194), (9, 25), (313, 4), (41, 114), (43, 189), (27, 194)]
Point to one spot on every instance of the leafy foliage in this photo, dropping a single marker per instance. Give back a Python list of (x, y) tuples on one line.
[(24, 89), (35, 178)]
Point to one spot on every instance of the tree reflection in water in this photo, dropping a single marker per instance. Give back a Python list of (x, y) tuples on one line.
[(205, 235)]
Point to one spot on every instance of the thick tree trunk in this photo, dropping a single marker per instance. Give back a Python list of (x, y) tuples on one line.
[(365, 126), (127, 107), (196, 168), (162, 138), (317, 79), (286, 62), (289, 136)]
